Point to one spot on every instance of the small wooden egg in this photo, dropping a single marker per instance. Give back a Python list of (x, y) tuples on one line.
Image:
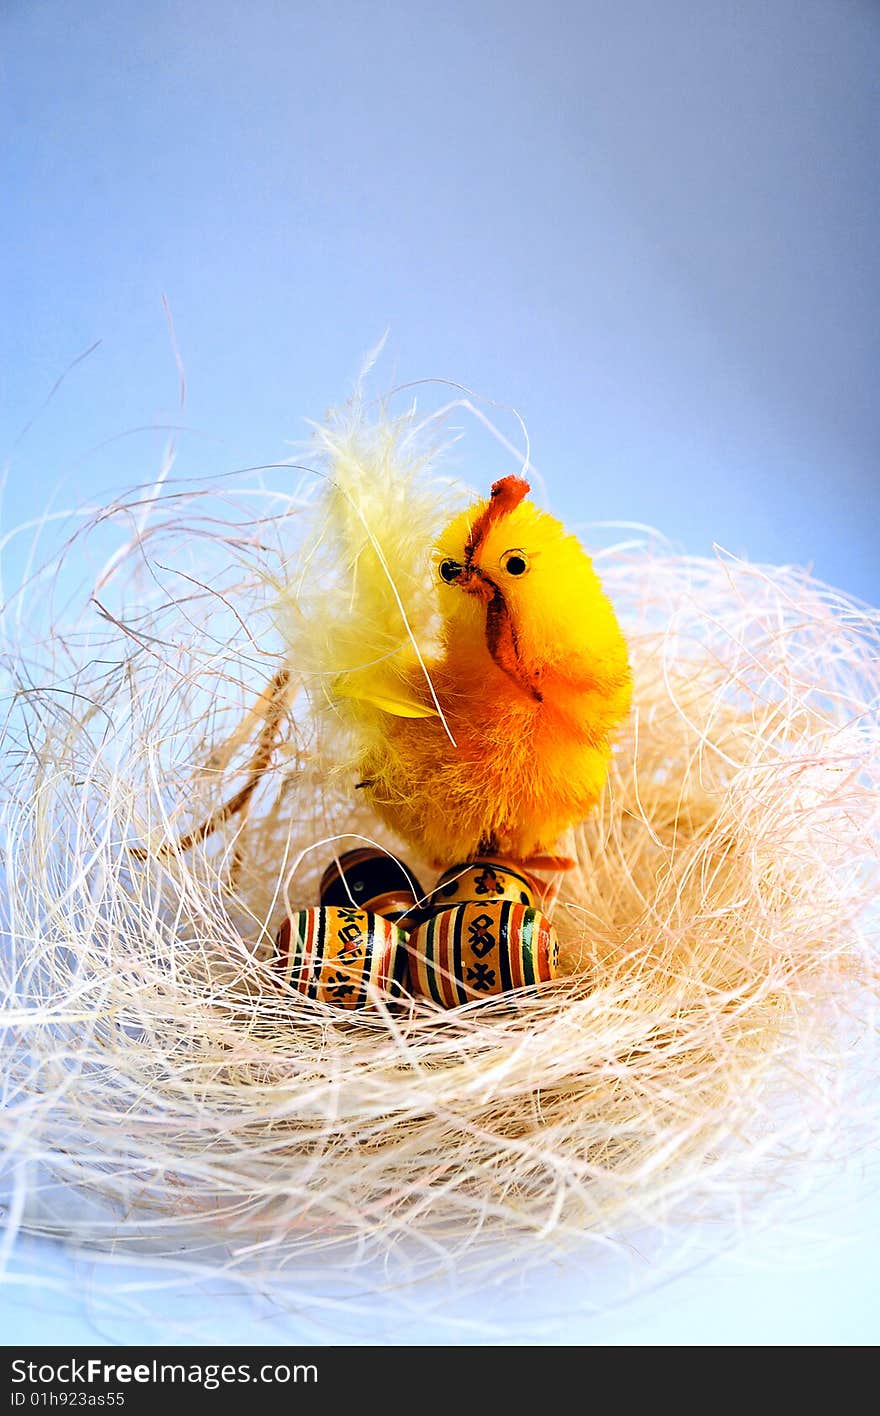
[(372, 880), (485, 879), (334, 954), (478, 950)]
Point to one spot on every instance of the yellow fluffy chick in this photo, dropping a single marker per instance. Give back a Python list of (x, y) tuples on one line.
[(481, 673)]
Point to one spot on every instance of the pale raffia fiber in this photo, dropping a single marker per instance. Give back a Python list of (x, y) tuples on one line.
[(714, 1028)]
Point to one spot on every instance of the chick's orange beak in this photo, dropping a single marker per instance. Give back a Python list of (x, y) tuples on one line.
[(474, 582)]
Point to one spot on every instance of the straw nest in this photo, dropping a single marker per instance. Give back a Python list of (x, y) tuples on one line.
[(713, 1025)]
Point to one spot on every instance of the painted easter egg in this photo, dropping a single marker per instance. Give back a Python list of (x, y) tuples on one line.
[(336, 953), (485, 879), (478, 950), (373, 880)]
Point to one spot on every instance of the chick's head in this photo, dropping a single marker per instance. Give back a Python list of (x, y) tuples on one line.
[(510, 573)]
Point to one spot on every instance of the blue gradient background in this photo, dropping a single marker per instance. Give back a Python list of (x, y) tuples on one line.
[(650, 225)]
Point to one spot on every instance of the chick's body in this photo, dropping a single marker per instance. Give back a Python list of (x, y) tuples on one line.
[(513, 782), (531, 680)]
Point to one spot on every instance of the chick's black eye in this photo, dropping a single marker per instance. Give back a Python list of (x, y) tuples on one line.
[(515, 563), (449, 570)]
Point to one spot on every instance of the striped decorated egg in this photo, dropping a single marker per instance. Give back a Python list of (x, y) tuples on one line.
[(335, 954), (485, 879), (478, 950), (373, 880)]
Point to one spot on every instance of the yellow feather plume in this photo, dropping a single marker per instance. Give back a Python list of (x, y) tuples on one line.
[(360, 616)]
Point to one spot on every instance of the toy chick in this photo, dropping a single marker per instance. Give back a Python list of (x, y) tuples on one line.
[(480, 674)]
